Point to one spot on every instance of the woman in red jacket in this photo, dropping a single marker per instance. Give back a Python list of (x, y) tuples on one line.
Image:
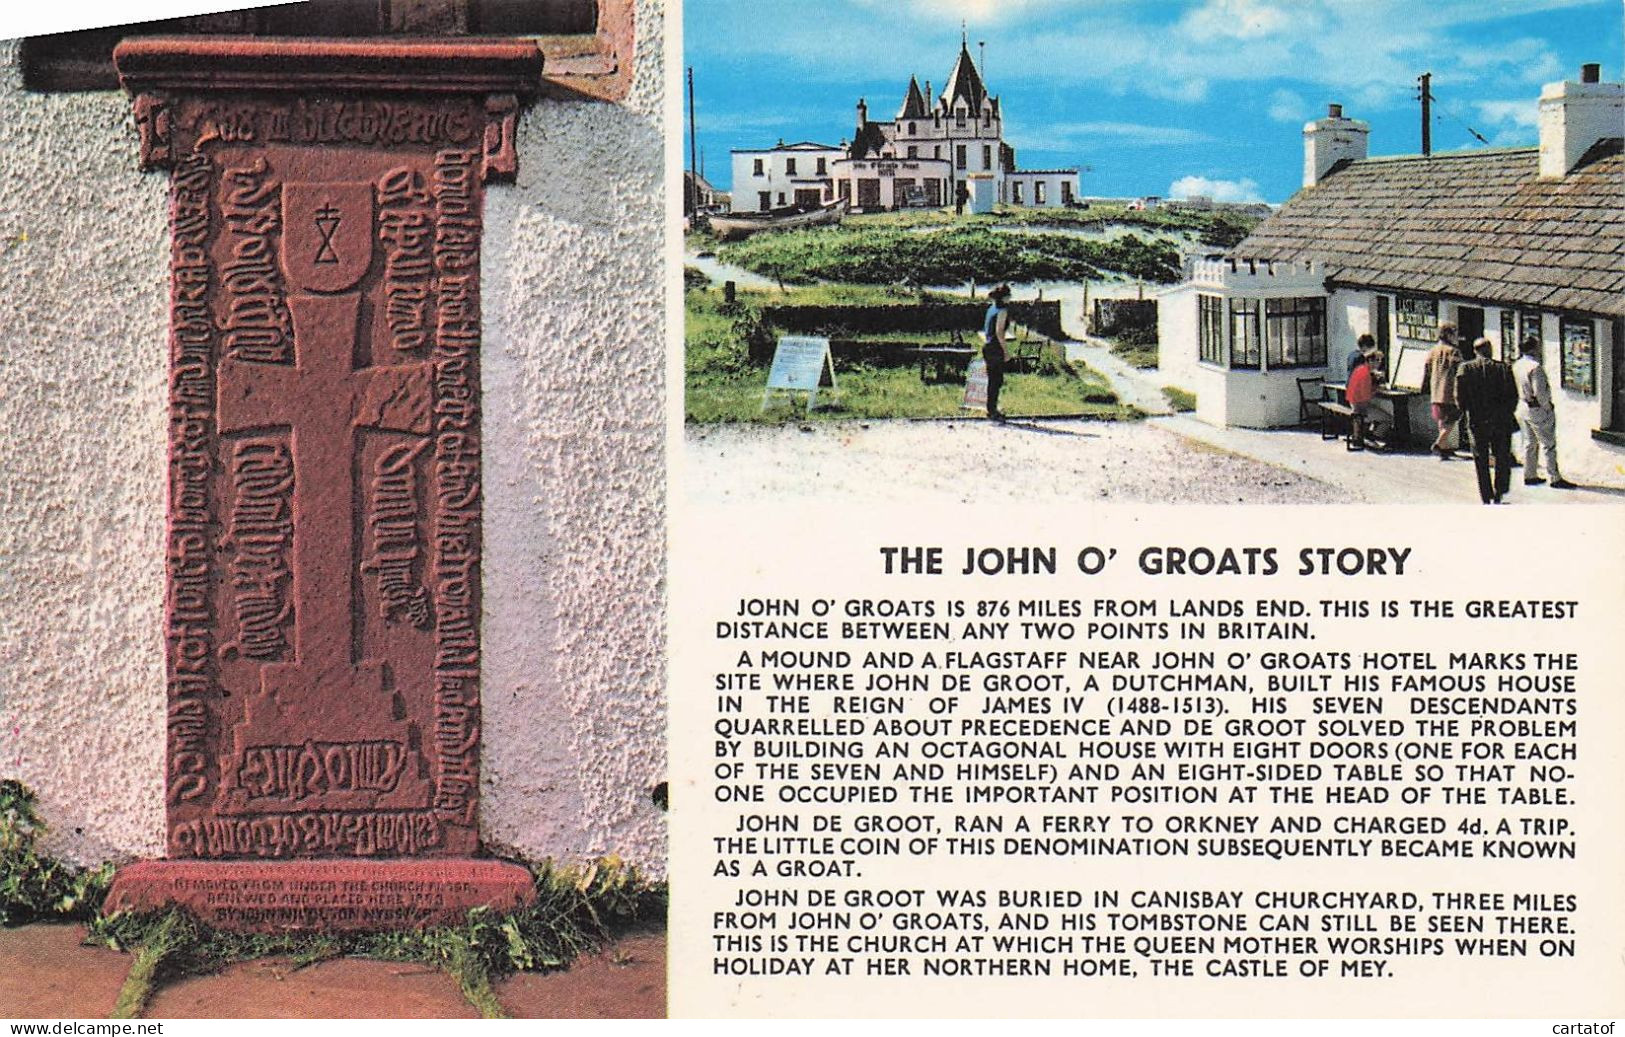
[(1361, 388)]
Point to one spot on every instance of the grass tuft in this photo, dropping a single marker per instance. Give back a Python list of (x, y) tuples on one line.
[(34, 886), (1182, 401)]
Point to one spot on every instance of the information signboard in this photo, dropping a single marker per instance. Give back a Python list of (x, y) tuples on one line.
[(801, 363), (975, 386)]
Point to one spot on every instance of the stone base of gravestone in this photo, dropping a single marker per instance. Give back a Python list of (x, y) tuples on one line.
[(326, 895)]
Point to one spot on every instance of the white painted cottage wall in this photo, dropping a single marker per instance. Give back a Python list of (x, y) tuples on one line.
[(574, 482)]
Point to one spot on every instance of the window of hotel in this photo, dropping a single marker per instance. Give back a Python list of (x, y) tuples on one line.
[(823, 166), (1295, 332), (959, 156), (913, 152), (936, 151), (1210, 328), (1038, 192), (1515, 327), (757, 169), (1245, 347), (987, 156), (586, 45), (911, 130), (790, 167), (1529, 324), (1579, 341), (1015, 192), (1417, 318)]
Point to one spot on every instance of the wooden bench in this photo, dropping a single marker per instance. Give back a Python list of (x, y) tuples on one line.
[(946, 363), (1332, 412), (1023, 351)]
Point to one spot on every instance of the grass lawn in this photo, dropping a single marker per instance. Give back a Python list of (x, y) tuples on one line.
[(883, 255), (1137, 348), (721, 384)]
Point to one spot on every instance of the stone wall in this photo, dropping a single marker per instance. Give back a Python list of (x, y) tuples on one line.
[(574, 514)]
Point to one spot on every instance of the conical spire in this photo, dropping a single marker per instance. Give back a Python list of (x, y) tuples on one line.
[(913, 103), (964, 82)]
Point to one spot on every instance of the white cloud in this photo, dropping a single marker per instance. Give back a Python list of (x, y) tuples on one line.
[(1243, 190), (1524, 114), (1235, 19), (1287, 106), (976, 12)]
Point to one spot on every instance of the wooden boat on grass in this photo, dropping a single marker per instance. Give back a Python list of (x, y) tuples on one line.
[(735, 225)]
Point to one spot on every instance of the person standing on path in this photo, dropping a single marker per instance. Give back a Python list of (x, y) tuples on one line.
[(1439, 381), (1488, 395), (1536, 416), (993, 330)]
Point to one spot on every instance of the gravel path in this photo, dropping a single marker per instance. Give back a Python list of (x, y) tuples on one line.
[(978, 461)]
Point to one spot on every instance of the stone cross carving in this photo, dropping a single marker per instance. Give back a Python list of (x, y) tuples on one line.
[(324, 520)]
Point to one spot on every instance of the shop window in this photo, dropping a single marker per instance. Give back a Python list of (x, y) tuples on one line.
[(1295, 332), (1245, 346), (586, 44), (1579, 343), (1210, 328)]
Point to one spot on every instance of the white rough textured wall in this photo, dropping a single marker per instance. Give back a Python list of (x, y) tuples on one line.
[(574, 375), (83, 289), (574, 722)]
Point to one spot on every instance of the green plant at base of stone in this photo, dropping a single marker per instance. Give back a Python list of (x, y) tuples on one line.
[(32, 885), (575, 911)]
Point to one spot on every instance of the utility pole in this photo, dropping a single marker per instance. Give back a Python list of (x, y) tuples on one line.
[(691, 196), (1426, 94)]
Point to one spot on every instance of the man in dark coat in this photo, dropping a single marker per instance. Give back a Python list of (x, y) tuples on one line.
[(1488, 396)]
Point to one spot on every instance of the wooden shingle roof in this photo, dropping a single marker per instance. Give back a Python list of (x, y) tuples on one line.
[(1476, 225)]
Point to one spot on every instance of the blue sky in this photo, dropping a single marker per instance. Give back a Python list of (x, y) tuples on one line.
[(1208, 96)]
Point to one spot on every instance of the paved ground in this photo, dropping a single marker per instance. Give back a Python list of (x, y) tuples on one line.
[(1163, 460), (46, 974), (973, 461)]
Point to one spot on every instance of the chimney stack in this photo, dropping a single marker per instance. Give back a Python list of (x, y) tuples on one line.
[(1331, 140), (1575, 116)]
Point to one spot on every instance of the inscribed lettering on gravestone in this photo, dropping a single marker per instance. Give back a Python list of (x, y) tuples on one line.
[(323, 603)]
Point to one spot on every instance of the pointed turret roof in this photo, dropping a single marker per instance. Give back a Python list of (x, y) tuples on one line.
[(914, 103), (964, 82)]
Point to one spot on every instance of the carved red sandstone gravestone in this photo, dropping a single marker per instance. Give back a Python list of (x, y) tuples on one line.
[(323, 600)]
